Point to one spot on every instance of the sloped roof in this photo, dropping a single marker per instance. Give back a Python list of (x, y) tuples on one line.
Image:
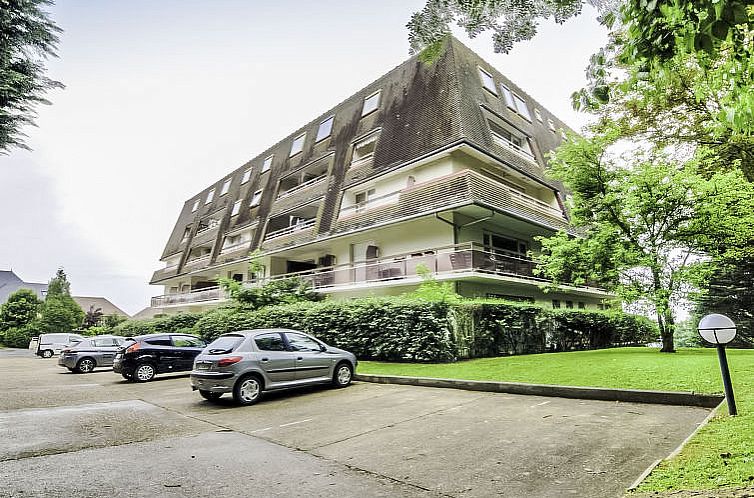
[(103, 303), (10, 283)]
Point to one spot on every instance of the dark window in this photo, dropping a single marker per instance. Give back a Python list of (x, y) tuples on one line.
[(158, 341), (225, 344), (300, 342), (185, 341), (569, 305), (507, 297), (582, 305), (556, 303), (270, 342)]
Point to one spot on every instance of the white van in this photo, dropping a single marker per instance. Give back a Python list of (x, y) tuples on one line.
[(50, 344)]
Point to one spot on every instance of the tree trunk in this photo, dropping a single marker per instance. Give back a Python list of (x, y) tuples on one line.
[(667, 330)]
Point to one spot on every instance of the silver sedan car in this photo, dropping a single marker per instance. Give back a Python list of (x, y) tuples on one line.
[(248, 362), (92, 352)]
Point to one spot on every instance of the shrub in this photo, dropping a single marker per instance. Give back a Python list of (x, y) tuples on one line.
[(170, 324), (19, 337), (382, 329)]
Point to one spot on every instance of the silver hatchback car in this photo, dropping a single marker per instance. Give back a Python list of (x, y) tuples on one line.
[(248, 362), (90, 353)]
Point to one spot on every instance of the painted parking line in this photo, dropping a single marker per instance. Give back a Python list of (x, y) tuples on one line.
[(298, 422)]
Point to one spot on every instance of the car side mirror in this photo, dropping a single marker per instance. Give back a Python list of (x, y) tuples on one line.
[(322, 348)]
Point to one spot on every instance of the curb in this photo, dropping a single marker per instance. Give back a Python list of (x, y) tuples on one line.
[(595, 393), (678, 449)]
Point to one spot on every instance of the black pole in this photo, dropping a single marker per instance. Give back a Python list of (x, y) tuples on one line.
[(726, 380)]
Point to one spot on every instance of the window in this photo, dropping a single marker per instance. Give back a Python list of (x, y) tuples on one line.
[(195, 206), (325, 128), (362, 199), (551, 124), (210, 196), (371, 103), (186, 233), (104, 342), (363, 150), (246, 176), (256, 198), (226, 186), (505, 245), (267, 164), (569, 305), (555, 303), (270, 342), (521, 107), (563, 134), (236, 208), (487, 81), (508, 95), (225, 344), (158, 341), (297, 145), (186, 341), (538, 114), (505, 137), (582, 305), (300, 342)]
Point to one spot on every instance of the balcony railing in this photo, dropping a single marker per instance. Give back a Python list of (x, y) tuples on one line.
[(302, 186), (205, 295), (457, 259), (291, 229), (459, 189)]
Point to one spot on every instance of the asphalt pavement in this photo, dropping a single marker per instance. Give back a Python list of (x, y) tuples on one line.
[(64, 434)]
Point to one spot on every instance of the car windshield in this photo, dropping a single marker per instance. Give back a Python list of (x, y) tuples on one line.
[(224, 344)]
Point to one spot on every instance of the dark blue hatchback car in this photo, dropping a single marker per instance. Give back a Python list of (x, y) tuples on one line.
[(145, 356)]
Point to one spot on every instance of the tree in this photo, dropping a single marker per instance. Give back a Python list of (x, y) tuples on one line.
[(92, 317), (27, 38), (20, 309), (654, 228), (60, 313), (281, 291)]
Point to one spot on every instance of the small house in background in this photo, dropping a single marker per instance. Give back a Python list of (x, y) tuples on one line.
[(100, 303), (10, 283)]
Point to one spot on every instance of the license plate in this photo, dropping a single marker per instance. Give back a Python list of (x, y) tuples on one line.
[(203, 365)]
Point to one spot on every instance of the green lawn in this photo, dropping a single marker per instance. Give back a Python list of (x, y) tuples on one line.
[(700, 465)]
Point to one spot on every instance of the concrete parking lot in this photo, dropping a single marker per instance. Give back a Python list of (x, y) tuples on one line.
[(63, 434)]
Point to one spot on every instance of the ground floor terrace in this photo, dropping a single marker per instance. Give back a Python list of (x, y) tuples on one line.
[(481, 253)]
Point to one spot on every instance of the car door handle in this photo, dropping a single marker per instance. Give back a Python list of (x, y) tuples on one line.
[(265, 359), (300, 358)]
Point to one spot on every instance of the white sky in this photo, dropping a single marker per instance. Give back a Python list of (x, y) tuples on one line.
[(164, 98)]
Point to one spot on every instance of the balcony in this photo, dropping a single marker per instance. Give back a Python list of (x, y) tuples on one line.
[(197, 262), (199, 296), (448, 263), (452, 191), (163, 273), (303, 186)]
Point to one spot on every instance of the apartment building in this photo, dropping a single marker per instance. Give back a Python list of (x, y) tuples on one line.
[(437, 166)]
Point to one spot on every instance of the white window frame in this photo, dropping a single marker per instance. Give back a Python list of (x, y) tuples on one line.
[(361, 142), (226, 186), (487, 79), (522, 108), (538, 114), (508, 96), (329, 122), (256, 198), (196, 205), (246, 176), (267, 164), (551, 124), (370, 108), (236, 208), (210, 196), (300, 140)]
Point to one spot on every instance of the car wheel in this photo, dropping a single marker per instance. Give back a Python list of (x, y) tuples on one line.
[(343, 375), (47, 353), (144, 372), (209, 395), (71, 369), (247, 390), (85, 365)]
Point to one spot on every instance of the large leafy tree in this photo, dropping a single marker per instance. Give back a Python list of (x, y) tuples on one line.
[(60, 313), (653, 228), (20, 309), (27, 38)]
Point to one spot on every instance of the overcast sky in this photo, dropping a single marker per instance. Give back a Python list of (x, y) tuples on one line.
[(164, 97)]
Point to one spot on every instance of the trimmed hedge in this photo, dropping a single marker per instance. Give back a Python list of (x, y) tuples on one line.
[(392, 329), (182, 322), (380, 329)]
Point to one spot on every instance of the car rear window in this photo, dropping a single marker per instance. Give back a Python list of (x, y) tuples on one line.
[(159, 341), (225, 344)]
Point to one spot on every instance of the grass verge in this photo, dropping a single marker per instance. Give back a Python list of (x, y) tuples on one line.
[(720, 455)]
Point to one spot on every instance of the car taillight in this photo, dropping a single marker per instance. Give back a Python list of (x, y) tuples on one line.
[(133, 348), (229, 361)]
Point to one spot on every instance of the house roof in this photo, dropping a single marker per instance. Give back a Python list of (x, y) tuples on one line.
[(104, 304), (10, 283)]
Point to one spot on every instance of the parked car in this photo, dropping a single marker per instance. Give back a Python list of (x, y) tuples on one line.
[(52, 344), (92, 352), (249, 362), (145, 356)]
